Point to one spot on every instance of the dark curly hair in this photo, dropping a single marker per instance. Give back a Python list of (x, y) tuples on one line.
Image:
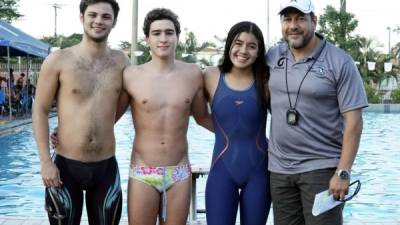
[(161, 14), (260, 69), (114, 5)]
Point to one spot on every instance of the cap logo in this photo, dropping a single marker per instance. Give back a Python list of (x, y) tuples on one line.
[(293, 0)]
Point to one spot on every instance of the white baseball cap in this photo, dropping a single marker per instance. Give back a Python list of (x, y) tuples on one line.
[(305, 6)]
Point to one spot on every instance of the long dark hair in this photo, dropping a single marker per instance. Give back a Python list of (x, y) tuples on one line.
[(260, 69)]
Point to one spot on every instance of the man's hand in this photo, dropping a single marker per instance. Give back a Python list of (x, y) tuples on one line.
[(50, 174), (54, 138), (339, 187)]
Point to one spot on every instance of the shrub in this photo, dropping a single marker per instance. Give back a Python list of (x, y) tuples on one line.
[(372, 94), (395, 96)]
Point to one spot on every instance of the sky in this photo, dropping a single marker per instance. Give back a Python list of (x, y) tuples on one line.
[(207, 18)]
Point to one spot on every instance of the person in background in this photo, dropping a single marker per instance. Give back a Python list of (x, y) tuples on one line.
[(20, 82), (3, 102), (10, 80)]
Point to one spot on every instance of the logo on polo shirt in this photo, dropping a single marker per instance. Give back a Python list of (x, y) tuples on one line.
[(318, 70), (279, 64)]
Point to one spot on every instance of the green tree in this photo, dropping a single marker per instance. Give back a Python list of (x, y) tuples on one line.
[(395, 96), (395, 52), (337, 27), (71, 40), (145, 49), (369, 54), (205, 62), (372, 94), (8, 10), (185, 51), (125, 45), (62, 41), (141, 46)]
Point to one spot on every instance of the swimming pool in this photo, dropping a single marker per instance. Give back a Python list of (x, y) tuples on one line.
[(377, 166)]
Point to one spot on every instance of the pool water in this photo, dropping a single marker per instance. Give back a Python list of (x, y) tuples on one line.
[(377, 166)]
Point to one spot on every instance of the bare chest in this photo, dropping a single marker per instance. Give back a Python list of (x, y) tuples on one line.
[(168, 95), (85, 79)]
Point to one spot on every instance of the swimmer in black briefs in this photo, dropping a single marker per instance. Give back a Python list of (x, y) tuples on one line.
[(86, 82), (101, 183)]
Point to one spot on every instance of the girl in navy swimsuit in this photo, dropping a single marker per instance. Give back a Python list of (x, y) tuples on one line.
[(237, 92)]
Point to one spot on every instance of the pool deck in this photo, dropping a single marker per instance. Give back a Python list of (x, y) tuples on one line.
[(8, 126), (8, 220)]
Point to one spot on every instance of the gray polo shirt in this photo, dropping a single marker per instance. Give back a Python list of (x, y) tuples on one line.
[(333, 86)]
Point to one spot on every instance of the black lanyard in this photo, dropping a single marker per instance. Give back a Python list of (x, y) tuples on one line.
[(301, 83)]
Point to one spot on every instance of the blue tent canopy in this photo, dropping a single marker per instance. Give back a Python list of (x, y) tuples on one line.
[(20, 43)]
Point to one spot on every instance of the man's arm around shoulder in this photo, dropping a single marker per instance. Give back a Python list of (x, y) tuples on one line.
[(199, 106), (123, 101)]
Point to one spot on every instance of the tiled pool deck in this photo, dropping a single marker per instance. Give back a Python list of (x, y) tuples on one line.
[(7, 220)]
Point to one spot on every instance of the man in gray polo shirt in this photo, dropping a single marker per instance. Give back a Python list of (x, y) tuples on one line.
[(317, 97)]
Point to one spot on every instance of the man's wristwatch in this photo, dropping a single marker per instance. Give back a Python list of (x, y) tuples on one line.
[(343, 174)]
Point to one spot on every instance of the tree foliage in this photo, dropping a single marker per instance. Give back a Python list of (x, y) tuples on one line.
[(8, 10), (185, 50), (338, 27), (372, 95), (62, 41), (395, 96)]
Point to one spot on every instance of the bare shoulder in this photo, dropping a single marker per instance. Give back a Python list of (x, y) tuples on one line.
[(132, 71), (211, 73), (134, 77), (190, 69), (57, 57), (120, 57), (56, 61)]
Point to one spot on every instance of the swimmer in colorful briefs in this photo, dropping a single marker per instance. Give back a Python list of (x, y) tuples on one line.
[(161, 178), (163, 93)]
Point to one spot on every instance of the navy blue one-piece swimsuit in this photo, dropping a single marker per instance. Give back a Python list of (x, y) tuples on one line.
[(239, 169)]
